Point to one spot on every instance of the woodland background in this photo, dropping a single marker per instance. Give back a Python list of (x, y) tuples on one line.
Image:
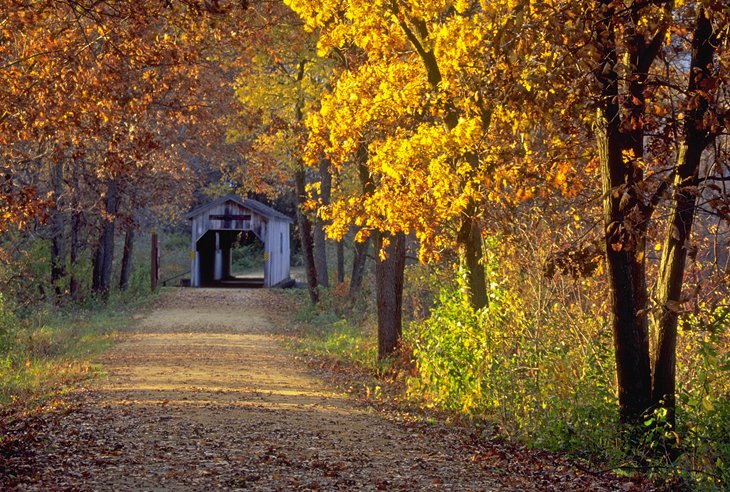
[(514, 213)]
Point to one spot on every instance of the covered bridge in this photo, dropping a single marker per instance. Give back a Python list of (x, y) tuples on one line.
[(214, 228)]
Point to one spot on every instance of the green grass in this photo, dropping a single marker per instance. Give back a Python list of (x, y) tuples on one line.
[(52, 350), (341, 340), (327, 334)]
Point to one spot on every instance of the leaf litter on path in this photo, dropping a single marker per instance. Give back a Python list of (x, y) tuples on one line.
[(201, 397)]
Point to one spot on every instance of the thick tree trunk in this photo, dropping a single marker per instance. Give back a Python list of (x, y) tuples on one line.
[(320, 239), (389, 290), (305, 235), (624, 253), (674, 253), (320, 252), (127, 254), (340, 261), (358, 270), (58, 230), (630, 333), (105, 252), (470, 256)]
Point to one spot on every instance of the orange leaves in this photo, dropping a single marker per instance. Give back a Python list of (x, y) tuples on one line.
[(20, 205), (105, 88)]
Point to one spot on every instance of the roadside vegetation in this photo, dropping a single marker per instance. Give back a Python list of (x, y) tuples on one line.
[(47, 346), (542, 376)]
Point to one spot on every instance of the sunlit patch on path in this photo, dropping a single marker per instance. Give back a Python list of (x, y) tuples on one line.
[(201, 397)]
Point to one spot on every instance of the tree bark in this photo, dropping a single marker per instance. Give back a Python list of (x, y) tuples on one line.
[(96, 265), (624, 255), (674, 253), (389, 290), (470, 255), (154, 262), (105, 251), (340, 261), (127, 255), (58, 230), (319, 236), (305, 235), (358, 270), (75, 247), (74, 236), (319, 243)]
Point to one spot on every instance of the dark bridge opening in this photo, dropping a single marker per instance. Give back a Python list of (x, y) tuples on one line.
[(215, 261)]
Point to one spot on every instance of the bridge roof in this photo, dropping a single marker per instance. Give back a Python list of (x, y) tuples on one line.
[(253, 205)]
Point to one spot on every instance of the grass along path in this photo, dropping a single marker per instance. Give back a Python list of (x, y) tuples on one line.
[(201, 397)]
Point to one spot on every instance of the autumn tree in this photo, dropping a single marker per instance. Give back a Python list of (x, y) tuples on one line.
[(278, 86), (96, 116), (425, 106), (652, 94), (652, 131)]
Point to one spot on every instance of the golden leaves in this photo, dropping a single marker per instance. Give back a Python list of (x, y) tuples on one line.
[(434, 144)]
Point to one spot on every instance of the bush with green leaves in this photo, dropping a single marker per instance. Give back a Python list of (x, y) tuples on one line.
[(554, 387), (523, 373)]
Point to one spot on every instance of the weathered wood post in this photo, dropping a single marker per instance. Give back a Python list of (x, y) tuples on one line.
[(154, 262)]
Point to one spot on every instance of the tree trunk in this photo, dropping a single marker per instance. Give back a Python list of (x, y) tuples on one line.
[(105, 252), (389, 287), (340, 261), (470, 259), (58, 230), (75, 246), (624, 256), (127, 258), (319, 243), (96, 264), (674, 253), (305, 234), (320, 239), (75, 233), (358, 270), (154, 262)]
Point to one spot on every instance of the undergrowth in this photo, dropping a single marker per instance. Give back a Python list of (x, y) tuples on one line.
[(48, 341), (543, 374), (328, 333), (52, 348)]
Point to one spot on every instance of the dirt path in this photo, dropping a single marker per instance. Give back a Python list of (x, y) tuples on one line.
[(201, 397)]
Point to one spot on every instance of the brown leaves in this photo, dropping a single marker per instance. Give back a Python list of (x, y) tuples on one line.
[(223, 407), (578, 262)]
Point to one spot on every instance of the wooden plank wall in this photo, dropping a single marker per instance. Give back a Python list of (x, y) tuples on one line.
[(274, 234)]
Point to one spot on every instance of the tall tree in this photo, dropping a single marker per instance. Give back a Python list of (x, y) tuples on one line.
[(272, 127), (701, 127), (658, 98)]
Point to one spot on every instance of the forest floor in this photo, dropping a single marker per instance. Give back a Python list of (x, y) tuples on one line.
[(200, 395)]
